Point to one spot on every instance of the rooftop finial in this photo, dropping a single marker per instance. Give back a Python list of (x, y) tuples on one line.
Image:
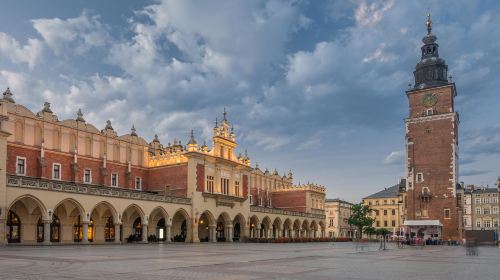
[(216, 122), (191, 139), (7, 95), (429, 23), (79, 116), (133, 131), (108, 125), (224, 114)]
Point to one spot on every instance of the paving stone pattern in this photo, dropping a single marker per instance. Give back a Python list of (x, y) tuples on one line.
[(246, 261)]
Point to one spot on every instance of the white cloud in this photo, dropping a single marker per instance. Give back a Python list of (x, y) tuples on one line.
[(31, 53), (370, 15), (395, 157), (78, 34)]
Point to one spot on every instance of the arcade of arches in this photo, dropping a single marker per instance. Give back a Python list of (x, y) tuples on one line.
[(30, 221)]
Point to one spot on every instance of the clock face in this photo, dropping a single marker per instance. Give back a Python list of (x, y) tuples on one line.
[(430, 99)]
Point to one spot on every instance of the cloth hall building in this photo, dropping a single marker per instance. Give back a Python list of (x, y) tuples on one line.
[(68, 182)]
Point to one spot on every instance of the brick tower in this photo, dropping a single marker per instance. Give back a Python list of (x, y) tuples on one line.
[(432, 144)]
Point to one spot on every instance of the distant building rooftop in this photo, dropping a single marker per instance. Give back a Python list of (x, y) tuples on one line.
[(389, 192), (337, 200)]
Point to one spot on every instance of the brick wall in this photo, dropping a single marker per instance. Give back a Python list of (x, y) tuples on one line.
[(200, 178), (245, 186), (292, 200), (174, 176)]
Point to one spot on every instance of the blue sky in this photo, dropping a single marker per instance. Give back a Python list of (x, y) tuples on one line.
[(313, 86)]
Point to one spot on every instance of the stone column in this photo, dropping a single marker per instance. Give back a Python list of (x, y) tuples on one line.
[(257, 228), (270, 233), (85, 232), (212, 233), (46, 232), (169, 232), (229, 233), (144, 233), (117, 233)]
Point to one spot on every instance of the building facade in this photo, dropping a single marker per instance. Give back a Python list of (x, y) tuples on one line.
[(432, 145), (388, 207), (337, 213), (68, 182), (481, 208)]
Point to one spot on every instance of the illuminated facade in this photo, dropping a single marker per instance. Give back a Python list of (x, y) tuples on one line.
[(66, 181)]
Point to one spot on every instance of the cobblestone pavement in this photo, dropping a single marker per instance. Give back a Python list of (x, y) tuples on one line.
[(246, 261)]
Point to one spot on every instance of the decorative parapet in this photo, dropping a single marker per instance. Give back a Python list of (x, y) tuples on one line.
[(58, 186), (302, 187), (286, 212)]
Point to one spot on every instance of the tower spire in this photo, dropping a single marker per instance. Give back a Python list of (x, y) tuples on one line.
[(429, 23)]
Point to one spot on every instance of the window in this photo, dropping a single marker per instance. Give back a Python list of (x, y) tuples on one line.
[(478, 210), (56, 171), (393, 202), (385, 212), (210, 184), (21, 166), (331, 222), (495, 223), (237, 188), (486, 200), (430, 112), (393, 223), (478, 224), (138, 183), (369, 203), (495, 210), (420, 177), (486, 210), (446, 213), (87, 176), (494, 200), (114, 180), (385, 223), (478, 200), (385, 202), (270, 205), (251, 199), (260, 201), (378, 223), (393, 211), (224, 184), (487, 223)]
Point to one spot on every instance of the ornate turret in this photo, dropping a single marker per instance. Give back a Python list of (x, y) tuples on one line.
[(192, 145), (7, 95), (432, 70)]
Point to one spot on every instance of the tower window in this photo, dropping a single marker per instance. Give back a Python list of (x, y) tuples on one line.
[(446, 213), (21, 166), (87, 176), (56, 171), (420, 177), (429, 112)]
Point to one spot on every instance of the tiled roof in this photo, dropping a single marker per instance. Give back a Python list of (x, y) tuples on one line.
[(387, 192)]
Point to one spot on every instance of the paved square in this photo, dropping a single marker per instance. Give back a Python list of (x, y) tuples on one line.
[(246, 261)]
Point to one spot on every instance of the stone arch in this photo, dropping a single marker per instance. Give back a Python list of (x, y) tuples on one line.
[(71, 216), (265, 228), (322, 228), (181, 229), (313, 229), (276, 228), (157, 224), (206, 223), (296, 228), (305, 228), (254, 226), (133, 223), (239, 227), (223, 233), (287, 228), (27, 211), (104, 217)]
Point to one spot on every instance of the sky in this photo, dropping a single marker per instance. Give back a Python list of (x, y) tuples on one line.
[(317, 87)]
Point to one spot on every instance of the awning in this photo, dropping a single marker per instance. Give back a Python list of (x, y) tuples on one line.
[(410, 223)]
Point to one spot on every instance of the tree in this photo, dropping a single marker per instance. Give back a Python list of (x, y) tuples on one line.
[(369, 230), (359, 217)]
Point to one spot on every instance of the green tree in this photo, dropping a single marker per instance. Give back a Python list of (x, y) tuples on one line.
[(369, 230), (359, 217)]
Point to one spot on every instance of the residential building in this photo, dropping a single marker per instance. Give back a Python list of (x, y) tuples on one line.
[(481, 208), (337, 213)]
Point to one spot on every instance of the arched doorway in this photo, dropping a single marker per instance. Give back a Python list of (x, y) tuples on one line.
[(161, 230), (205, 223), (239, 228), (109, 230), (180, 226), (137, 229), (55, 226), (265, 228), (78, 230), (254, 222), (69, 213), (13, 228), (222, 230)]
